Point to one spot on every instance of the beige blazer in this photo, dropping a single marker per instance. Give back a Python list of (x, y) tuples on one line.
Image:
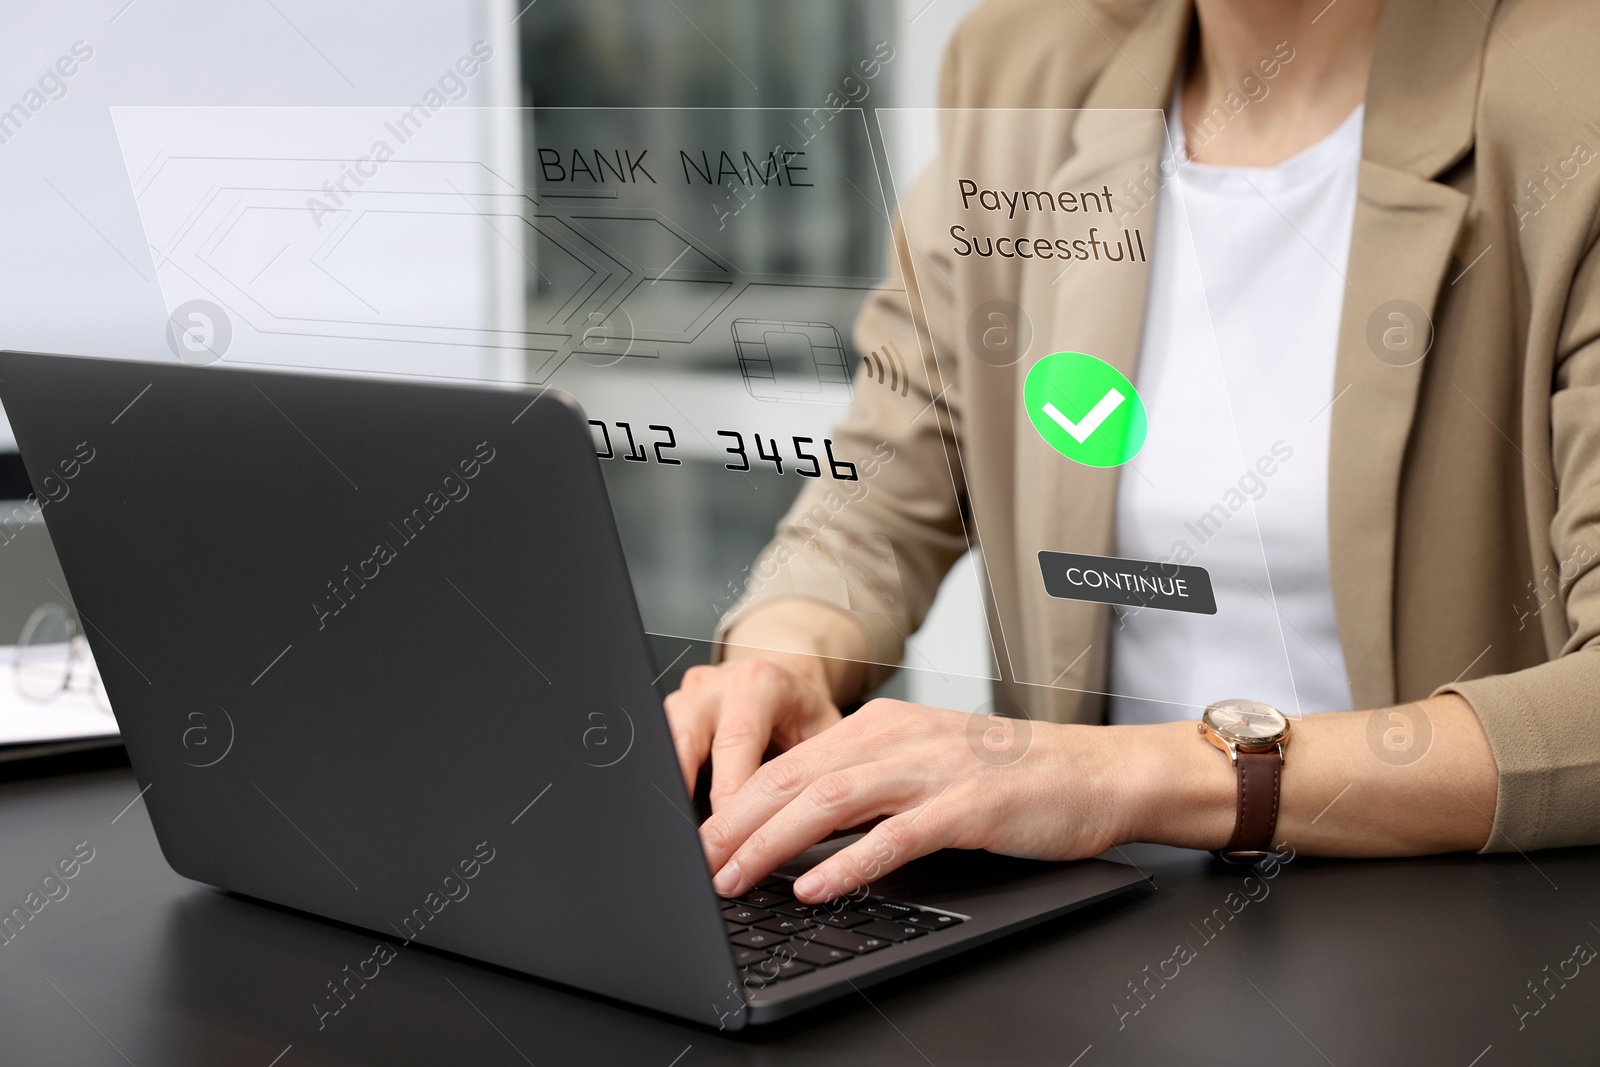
[(1464, 489)]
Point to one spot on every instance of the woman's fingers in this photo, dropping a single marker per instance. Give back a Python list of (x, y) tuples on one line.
[(775, 784), (691, 718), (883, 760), (732, 713), (833, 800), (754, 694), (763, 795), (743, 733), (894, 842), (918, 770)]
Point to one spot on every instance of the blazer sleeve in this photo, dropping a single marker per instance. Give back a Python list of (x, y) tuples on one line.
[(878, 548), (1543, 722)]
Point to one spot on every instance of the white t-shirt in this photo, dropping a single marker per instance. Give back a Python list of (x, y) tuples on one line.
[(1240, 435)]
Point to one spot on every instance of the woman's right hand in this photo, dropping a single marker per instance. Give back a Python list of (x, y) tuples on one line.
[(738, 710)]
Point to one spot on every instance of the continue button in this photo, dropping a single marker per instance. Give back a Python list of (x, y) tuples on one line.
[(1131, 582)]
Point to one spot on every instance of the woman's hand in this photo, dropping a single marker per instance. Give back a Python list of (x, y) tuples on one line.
[(789, 665), (947, 779), (936, 779), (734, 712)]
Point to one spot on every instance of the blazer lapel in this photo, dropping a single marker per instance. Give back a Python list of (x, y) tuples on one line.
[(1115, 140), (1419, 122)]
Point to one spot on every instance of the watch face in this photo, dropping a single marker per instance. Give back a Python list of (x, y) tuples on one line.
[(1246, 721)]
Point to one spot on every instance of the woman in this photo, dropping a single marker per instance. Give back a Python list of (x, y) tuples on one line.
[(1440, 555)]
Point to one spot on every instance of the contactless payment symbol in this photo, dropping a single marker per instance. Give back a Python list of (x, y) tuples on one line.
[(1085, 409)]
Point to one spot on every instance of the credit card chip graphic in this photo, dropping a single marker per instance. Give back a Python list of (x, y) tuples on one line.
[(802, 361)]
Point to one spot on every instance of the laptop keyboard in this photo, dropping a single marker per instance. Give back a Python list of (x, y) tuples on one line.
[(774, 936)]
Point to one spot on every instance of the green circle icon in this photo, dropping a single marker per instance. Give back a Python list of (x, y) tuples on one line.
[(1085, 409)]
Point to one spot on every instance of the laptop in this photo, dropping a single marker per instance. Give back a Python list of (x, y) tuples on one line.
[(374, 652)]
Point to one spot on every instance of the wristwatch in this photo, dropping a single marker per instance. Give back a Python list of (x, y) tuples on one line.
[(1254, 735)]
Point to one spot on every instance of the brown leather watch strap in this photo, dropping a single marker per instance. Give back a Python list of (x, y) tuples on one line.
[(1260, 775)]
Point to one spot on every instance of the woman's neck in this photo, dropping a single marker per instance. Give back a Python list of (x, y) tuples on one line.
[(1269, 78)]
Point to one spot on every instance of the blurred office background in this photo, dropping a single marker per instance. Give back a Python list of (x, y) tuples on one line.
[(76, 274)]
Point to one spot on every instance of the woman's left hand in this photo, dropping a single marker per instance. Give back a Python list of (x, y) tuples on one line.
[(936, 779)]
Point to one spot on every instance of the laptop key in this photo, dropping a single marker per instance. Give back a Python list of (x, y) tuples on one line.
[(894, 931), (797, 909), (743, 956), (733, 927), (885, 909), (757, 938), (747, 915), (849, 940), (839, 919), (932, 920), (761, 898), (819, 955), (773, 970), (786, 925)]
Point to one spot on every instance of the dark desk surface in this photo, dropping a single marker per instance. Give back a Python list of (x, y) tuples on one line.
[(1404, 962)]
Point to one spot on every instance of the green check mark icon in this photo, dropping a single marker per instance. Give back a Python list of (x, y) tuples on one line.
[(1085, 409)]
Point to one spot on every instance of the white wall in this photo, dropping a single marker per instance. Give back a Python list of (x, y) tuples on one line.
[(75, 273), (923, 30)]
